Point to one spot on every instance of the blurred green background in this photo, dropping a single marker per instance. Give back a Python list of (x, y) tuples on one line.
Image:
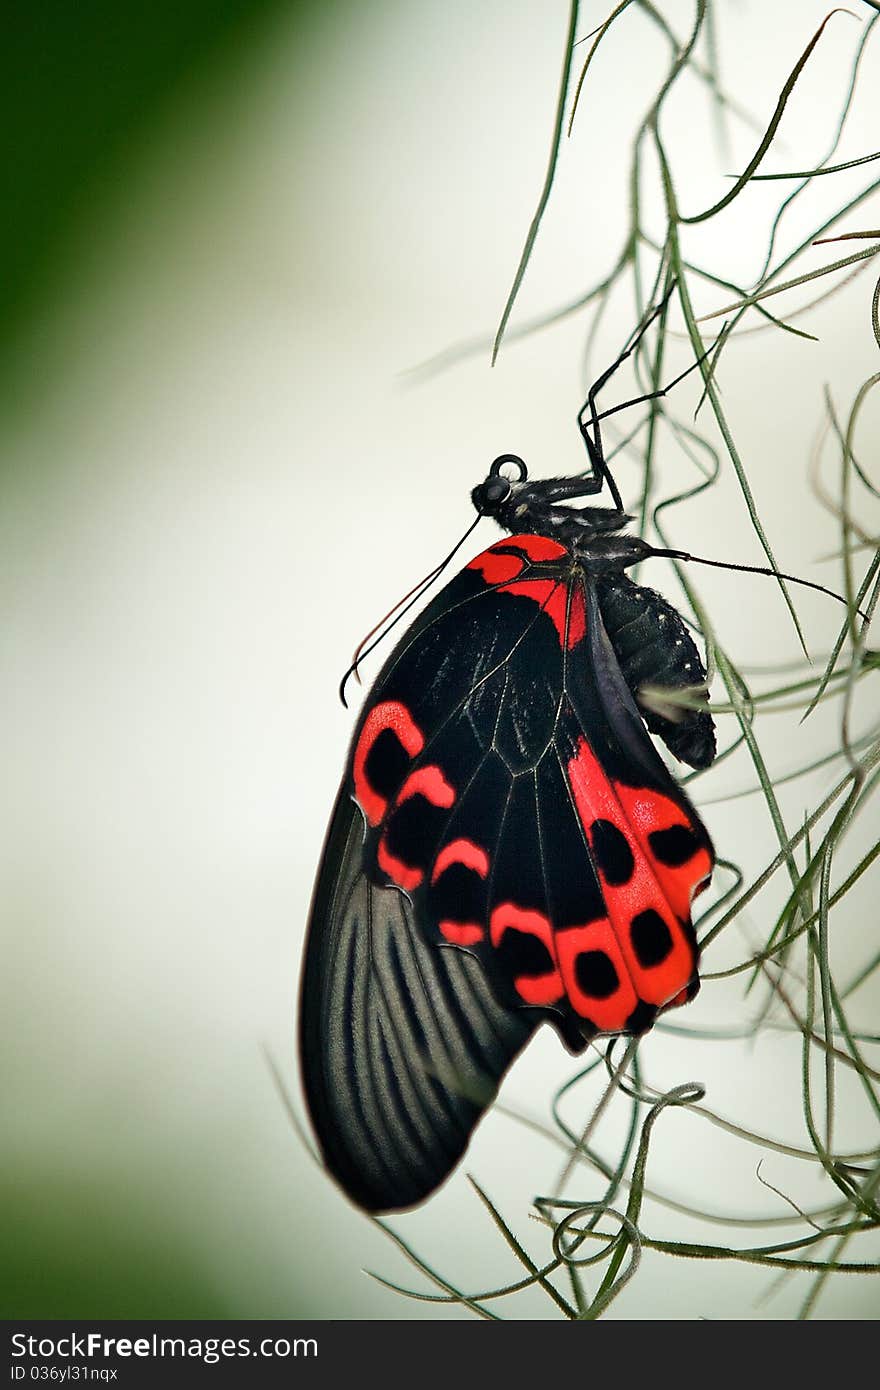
[(232, 229), (87, 94), (84, 91)]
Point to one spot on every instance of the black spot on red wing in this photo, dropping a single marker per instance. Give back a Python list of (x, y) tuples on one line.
[(642, 1018), (596, 975), (414, 829), (651, 938), (674, 846), (613, 854), (386, 764), (459, 894), (521, 953)]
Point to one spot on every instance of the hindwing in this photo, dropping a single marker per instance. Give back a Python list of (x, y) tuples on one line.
[(402, 1045)]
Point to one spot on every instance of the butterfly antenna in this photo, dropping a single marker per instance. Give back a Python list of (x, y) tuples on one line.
[(400, 609), (753, 569)]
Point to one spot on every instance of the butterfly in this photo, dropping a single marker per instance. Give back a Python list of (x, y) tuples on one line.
[(508, 847)]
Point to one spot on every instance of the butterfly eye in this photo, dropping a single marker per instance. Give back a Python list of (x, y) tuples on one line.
[(489, 496), (496, 489)]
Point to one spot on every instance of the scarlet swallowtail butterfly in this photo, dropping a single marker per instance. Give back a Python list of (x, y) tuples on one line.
[(508, 846)]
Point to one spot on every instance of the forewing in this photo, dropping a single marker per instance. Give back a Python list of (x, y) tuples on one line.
[(512, 791)]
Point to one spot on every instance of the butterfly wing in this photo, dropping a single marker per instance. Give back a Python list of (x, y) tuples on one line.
[(649, 850), (508, 847), (403, 1045)]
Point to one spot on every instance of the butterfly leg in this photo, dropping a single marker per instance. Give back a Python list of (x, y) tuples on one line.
[(588, 417)]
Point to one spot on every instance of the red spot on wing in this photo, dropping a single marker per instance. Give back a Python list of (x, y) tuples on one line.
[(461, 852), (537, 547), (462, 933), (552, 595), (389, 714), (548, 594), (472, 857), (532, 989), (404, 875), (637, 813), (496, 568), (430, 783), (506, 559), (577, 618), (528, 547), (539, 989), (522, 919)]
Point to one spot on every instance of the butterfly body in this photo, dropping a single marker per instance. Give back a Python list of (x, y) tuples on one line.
[(508, 846)]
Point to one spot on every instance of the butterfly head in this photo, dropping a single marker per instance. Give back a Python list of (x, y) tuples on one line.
[(543, 507)]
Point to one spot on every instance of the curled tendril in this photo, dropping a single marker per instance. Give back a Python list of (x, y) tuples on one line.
[(566, 1253)]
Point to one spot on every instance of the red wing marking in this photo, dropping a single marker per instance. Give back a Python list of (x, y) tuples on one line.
[(551, 595), (648, 811), (577, 618), (644, 900), (536, 547), (389, 714), (496, 568), (547, 594), (430, 783), (539, 989), (462, 933), (498, 563), (547, 987), (404, 875), (521, 919), (610, 1013), (469, 856), (461, 852)]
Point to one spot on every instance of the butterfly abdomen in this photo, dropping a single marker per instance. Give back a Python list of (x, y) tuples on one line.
[(654, 648)]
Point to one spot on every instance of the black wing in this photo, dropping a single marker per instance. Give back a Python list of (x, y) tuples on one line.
[(403, 1044)]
